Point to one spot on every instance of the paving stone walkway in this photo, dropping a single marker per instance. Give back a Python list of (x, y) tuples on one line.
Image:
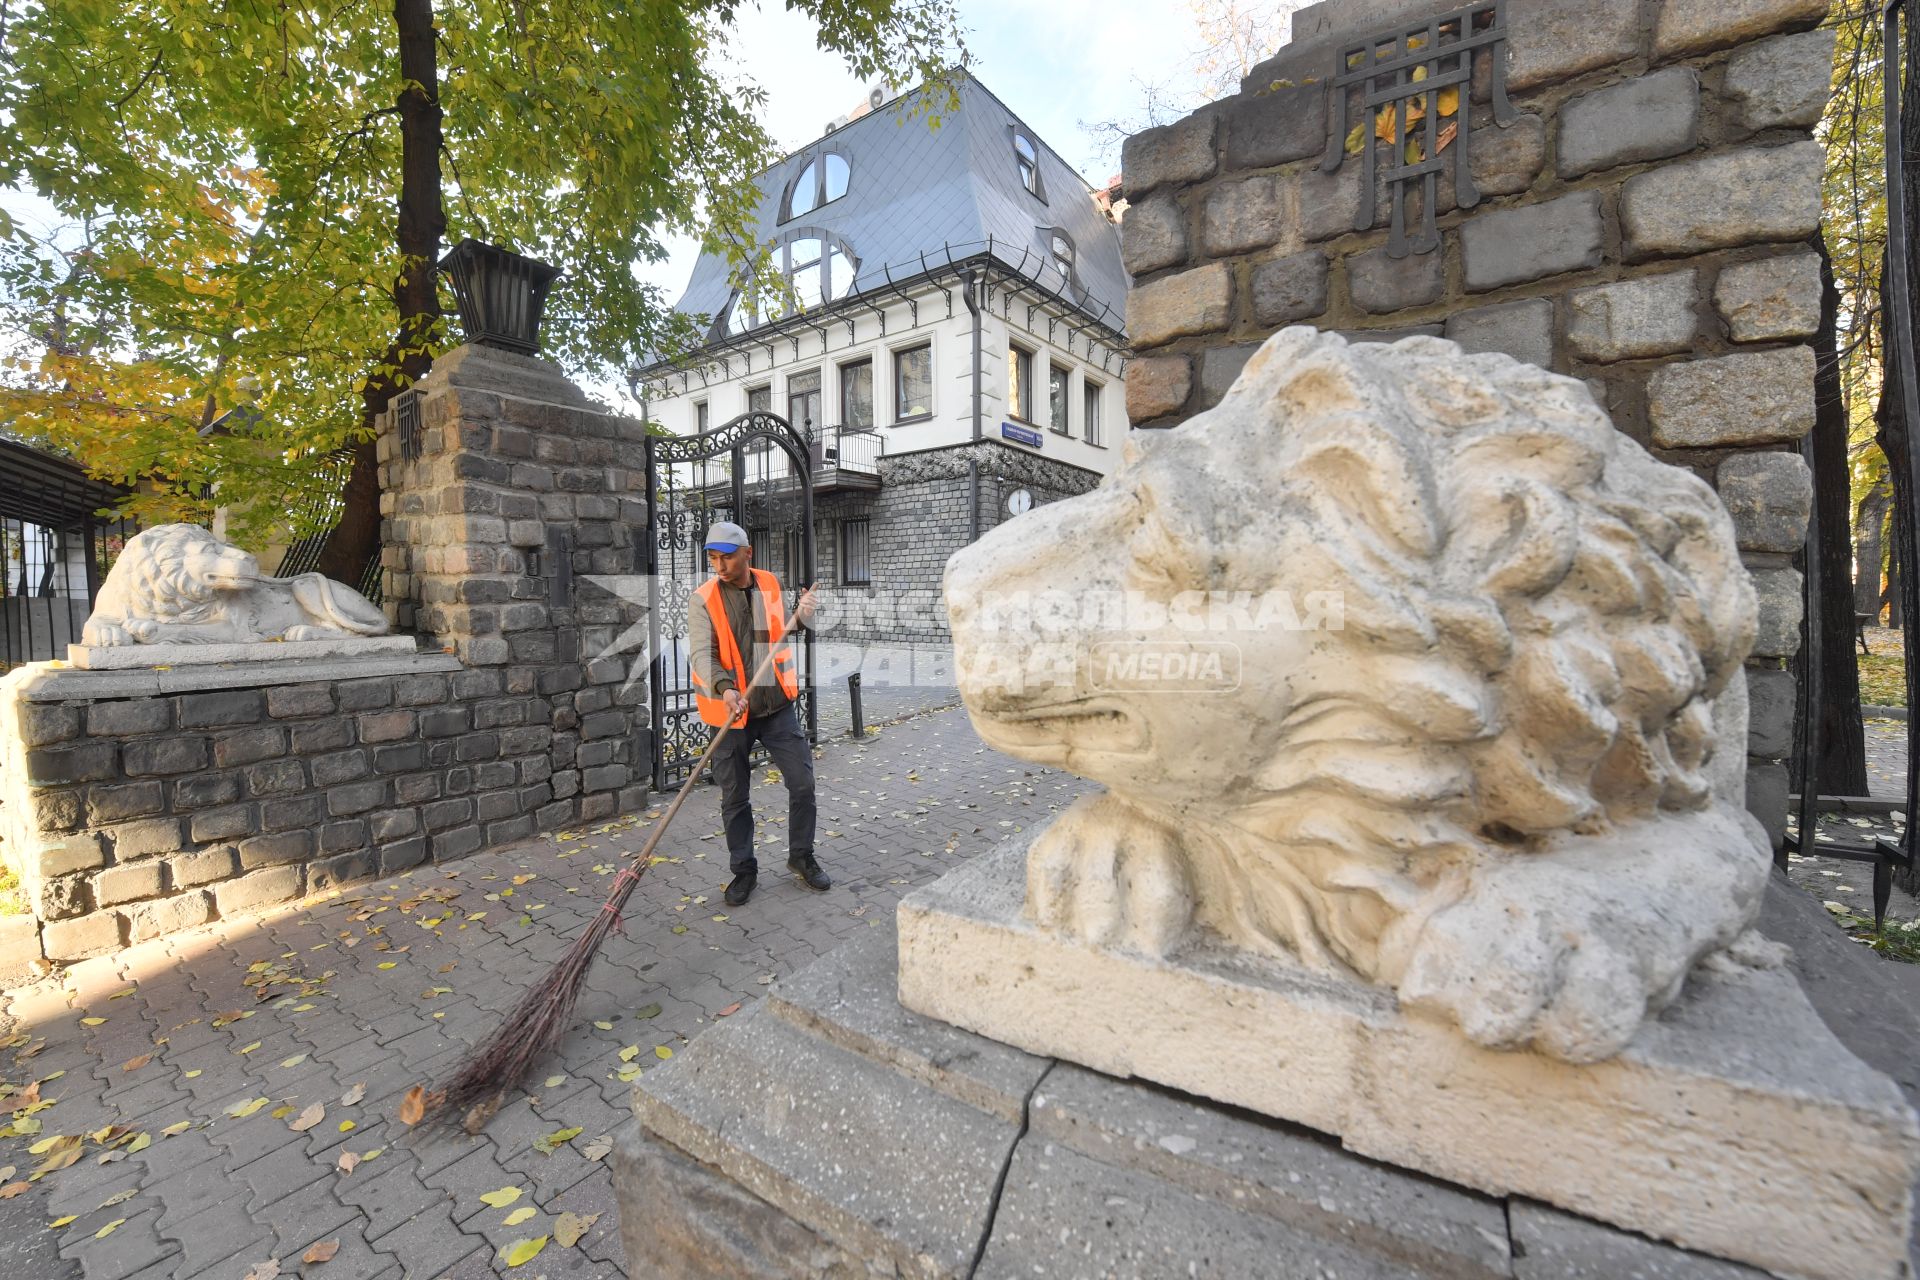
[(187, 1069)]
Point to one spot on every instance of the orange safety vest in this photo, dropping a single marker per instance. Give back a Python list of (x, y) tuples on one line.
[(713, 710)]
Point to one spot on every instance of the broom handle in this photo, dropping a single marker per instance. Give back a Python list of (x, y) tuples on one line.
[(759, 673)]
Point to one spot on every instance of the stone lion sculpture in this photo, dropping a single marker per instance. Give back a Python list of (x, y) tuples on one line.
[(178, 584), (1504, 778)]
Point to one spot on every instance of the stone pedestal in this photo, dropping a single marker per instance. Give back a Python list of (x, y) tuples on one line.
[(1734, 1123), (134, 657), (831, 1132)]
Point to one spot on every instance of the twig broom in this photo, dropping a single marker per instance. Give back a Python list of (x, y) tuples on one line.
[(541, 1019)]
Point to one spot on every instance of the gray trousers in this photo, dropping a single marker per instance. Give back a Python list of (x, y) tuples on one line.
[(793, 755)]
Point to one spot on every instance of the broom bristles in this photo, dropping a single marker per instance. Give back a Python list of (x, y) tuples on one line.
[(535, 1026)]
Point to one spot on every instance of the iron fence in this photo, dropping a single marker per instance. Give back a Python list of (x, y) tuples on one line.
[(58, 540)]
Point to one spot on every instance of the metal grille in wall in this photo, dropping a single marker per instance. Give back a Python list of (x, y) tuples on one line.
[(1402, 101), (753, 471), (55, 551)]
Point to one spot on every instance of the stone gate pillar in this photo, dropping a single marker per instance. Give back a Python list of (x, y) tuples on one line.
[(509, 501)]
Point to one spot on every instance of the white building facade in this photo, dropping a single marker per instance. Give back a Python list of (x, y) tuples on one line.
[(957, 360)]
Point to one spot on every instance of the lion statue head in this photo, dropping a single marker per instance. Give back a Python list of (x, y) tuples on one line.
[(1402, 663)]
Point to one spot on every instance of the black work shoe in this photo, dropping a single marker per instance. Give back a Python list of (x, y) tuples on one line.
[(807, 867), (740, 888)]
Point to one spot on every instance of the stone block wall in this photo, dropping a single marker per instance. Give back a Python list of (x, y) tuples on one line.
[(1645, 225), (138, 803), (512, 537), (141, 804)]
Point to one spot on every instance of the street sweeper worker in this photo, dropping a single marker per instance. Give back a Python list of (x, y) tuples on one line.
[(732, 618)]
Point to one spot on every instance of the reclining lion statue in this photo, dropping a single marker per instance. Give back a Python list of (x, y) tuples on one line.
[(1503, 778), (178, 584)]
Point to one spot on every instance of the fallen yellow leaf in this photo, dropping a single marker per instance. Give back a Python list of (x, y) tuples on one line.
[(109, 1229), (91, 1022), (519, 1216), (521, 1252), (502, 1198)]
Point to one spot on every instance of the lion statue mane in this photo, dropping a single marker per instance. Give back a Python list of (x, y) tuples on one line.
[(1504, 778), (179, 584)]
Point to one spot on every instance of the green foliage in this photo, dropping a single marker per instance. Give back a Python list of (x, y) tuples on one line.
[(230, 175), (1854, 223), (1896, 939)]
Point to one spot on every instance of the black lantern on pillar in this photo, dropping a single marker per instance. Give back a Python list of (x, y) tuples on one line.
[(500, 293)]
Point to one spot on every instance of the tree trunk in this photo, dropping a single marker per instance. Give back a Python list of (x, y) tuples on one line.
[(1870, 547), (1896, 433), (1840, 767), (422, 225)]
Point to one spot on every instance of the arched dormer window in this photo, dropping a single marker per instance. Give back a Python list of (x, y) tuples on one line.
[(1060, 251), (821, 267), (821, 181), (1026, 159)]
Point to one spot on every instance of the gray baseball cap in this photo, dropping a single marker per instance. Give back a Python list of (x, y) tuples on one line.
[(726, 536)]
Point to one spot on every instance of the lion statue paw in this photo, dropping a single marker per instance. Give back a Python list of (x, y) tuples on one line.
[(1107, 873)]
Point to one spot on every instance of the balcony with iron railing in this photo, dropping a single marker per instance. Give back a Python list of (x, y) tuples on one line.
[(842, 458)]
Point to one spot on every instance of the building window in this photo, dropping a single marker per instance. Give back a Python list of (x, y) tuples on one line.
[(913, 382), (792, 570), (1020, 383), (821, 267), (803, 399), (760, 399), (1090, 412), (856, 395), (822, 181), (702, 418), (1060, 250), (854, 569), (1059, 388), (1026, 158)]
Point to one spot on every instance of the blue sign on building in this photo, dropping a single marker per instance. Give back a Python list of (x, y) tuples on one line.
[(1023, 435)]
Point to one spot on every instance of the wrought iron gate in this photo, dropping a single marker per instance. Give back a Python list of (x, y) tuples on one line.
[(757, 472)]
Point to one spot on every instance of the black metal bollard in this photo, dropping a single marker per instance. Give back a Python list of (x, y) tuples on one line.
[(853, 696)]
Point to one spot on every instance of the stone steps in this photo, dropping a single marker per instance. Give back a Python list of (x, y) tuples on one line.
[(830, 1132)]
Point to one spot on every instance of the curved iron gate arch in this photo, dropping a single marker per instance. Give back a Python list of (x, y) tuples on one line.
[(685, 493)]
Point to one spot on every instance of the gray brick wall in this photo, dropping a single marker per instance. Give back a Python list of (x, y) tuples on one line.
[(136, 816)]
